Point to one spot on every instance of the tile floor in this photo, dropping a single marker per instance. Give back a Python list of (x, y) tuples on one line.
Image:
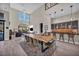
[(62, 49)]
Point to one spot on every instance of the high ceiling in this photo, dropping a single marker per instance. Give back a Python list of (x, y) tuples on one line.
[(30, 7), (62, 9), (26, 7)]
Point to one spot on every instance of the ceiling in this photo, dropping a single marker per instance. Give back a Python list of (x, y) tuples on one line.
[(4, 6), (31, 7), (66, 9), (26, 7)]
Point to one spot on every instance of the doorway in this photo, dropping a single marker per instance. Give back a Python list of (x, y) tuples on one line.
[(41, 27), (1, 30)]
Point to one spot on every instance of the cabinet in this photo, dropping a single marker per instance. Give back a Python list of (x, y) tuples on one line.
[(70, 24)]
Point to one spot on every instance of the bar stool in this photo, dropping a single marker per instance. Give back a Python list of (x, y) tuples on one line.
[(72, 37), (61, 36)]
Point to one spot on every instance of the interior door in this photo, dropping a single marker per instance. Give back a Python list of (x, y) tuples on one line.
[(41, 27), (1, 30)]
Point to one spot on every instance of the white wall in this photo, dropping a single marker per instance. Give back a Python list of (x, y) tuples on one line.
[(4, 8), (10, 15), (75, 16), (13, 18), (39, 16)]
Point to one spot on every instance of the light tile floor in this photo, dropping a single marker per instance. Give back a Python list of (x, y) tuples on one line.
[(62, 49)]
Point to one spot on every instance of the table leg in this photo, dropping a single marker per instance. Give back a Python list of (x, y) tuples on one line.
[(44, 49), (36, 42), (72, 37), (27, 38), (41, 46), (32, 41), (68, 39), (73, 40), (60, 37), (63, 37)]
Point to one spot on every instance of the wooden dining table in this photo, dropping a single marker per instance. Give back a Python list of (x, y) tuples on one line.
[(43, 39)]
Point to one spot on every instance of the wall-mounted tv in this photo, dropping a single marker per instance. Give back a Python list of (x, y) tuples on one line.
[(1, 15)]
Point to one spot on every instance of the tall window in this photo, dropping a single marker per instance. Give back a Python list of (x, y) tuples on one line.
[(23, 17)]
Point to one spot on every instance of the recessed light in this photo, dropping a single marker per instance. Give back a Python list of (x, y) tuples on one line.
[(71, 6), (55, 12), (61, 9), (49, 14)]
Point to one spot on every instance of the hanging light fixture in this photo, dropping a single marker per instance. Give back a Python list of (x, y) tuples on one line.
[(71, 15), (71, 11), (54, 18)]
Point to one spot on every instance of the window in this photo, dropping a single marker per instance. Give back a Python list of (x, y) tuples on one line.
[(23, 17), (49, 5), (1, 15)]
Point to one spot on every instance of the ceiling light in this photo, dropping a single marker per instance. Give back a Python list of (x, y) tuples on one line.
[(61, 9), (55, 12), (49, 14)]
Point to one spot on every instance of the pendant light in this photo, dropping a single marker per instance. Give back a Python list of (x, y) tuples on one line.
[(71, 15), (54, 18)]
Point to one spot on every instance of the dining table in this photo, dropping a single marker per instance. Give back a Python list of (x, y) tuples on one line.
[(43, 39)]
